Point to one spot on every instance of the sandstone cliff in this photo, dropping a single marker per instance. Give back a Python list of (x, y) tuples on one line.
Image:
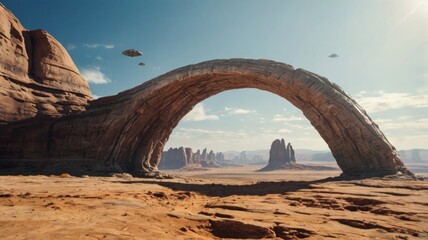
[(37, 76)]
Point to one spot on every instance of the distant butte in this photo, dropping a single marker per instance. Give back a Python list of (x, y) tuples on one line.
[(281, 157), (48, 116)]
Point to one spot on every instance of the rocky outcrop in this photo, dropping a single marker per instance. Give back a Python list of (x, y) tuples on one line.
[(176, 158), (45, 116), (197, 157), (281, 157), (37, 76), (219, 157), (211, 156), (204, 154), (290, 156), (208, 159), (277, 155), (189, 156)]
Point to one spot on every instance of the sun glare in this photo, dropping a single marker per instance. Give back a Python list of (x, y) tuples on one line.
[(417, 6)]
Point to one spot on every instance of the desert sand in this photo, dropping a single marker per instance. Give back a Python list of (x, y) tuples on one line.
[(232, 203)]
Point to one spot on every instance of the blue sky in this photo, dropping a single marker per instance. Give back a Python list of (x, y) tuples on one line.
[(382, 47)]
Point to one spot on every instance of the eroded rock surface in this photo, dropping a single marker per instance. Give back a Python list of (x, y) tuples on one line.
[(232, 208), (37, 76)]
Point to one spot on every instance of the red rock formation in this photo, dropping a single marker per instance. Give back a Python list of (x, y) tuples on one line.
[(204, 154), (279, 155), (197, 157), (291, 156), (189, 155), (174, 158), (37, 76), (211, 156), (127, 132)]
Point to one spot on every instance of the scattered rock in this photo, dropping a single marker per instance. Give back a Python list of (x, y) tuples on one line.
[(65, 175), (160, 195), (292, 233), (122, 175)]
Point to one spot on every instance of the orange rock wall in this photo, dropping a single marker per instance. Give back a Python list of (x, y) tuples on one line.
[(37, 75)]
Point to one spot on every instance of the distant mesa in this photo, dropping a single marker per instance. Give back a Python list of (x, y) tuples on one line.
[(185, 158), (132, 53), (414, 155), (284, 157)]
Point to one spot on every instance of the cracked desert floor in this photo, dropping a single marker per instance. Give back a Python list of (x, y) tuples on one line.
[(234, 203)]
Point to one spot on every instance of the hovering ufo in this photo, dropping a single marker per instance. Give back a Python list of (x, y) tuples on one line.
[(141, 64), (132, 53), (334, 55)]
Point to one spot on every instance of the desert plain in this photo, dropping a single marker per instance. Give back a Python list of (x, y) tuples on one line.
[(224, 203)]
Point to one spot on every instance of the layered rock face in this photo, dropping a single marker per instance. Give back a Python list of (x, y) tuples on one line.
[(174, 158), (45, 114), (37, 76), (279, 155)]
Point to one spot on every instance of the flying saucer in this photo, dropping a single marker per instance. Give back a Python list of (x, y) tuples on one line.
[(334, 55), (132, 53)]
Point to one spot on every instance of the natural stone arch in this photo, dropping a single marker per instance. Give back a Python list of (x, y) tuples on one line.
[(47, 112), (128, 131)]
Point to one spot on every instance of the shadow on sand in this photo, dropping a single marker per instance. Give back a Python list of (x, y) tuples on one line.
[(224, 190)]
